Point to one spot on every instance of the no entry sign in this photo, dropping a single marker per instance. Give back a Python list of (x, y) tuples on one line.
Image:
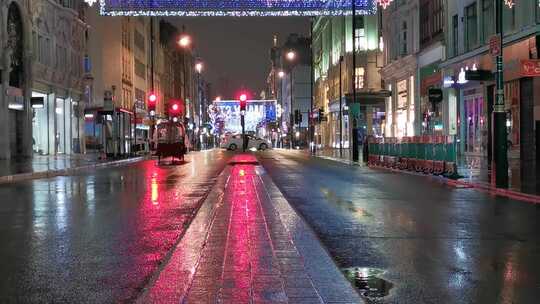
[(234, 7)]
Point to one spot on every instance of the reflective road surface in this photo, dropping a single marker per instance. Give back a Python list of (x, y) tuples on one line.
[(97, 237), (431, 243)]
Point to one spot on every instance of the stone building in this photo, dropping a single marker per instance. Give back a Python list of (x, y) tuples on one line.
[(333, 70), (43, 46)]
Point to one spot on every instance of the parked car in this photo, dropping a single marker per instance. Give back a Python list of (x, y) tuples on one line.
[(234, 142)]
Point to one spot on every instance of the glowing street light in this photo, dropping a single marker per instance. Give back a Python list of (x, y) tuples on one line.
[(199, 67), (184, 41), (291, 55), (281, 74)]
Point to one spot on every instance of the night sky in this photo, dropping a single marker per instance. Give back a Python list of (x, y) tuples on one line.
[(235, 51)]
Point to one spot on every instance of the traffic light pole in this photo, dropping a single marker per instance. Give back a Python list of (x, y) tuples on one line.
[(242, 122), (152, 126), (499, 166)]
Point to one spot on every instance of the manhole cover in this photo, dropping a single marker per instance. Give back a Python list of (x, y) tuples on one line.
[(368, 281)]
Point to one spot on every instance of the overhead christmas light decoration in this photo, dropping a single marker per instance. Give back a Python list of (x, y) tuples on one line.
[(509, 3), (237, 8), (384, 3)]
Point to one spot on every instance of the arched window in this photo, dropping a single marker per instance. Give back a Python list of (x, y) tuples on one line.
[(15, 42)]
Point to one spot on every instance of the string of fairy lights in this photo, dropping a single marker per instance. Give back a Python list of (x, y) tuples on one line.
[(238, 8), (242, 8)]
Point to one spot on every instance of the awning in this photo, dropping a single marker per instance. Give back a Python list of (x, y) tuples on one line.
[(368, 98)]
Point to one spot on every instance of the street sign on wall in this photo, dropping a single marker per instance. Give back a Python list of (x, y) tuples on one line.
[(236, 8)]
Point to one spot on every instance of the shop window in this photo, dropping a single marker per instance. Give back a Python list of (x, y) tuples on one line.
[(471, 32)]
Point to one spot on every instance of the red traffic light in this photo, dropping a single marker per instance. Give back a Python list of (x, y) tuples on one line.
[(175, 108), (243, 101), (152, 98)]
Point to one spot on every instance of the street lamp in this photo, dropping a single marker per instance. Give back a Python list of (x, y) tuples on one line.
[(281, 74), (184, 41), (291, 55), (199, 68)]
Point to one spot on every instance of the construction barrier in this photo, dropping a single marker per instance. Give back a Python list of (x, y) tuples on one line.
[(430, 154)]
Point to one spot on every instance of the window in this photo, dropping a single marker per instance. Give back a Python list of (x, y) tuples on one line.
[(488, 19), (359, 81), (404, 38), (471, 33), (360, 34), (509, 19), (140, 69), (139, 41), (431, 20), (455, 35)]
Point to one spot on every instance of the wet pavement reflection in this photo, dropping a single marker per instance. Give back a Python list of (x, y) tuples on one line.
[(433, 243), (97, 237)]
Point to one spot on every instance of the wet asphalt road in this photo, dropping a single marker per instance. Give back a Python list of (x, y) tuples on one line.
[(433, 243), (97, 237)]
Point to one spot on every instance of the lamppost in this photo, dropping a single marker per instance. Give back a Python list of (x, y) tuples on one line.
[(184, 42), (291, 56), (499, 167), (281, 74), (355, 152), (340, 108), (199, 68)]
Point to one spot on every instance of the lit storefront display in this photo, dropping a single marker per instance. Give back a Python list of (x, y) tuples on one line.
[(55, 125)]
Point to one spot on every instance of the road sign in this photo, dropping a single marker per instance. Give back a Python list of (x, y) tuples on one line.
[(495, 45)]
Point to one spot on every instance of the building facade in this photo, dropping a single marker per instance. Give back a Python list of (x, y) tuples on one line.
[(151, 63), (292, 78), (42, 77), (333, 84), (470, 98), (401, 47)]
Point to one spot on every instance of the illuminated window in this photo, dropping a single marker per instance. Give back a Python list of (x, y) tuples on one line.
[(360, 34), (359, 81)]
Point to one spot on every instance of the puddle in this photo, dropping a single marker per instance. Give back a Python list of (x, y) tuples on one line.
[(368, 281)]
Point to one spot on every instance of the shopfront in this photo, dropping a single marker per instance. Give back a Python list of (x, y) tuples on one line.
[(475, 97), (432, 110), (400, 108), (55, 124), (338, 133)]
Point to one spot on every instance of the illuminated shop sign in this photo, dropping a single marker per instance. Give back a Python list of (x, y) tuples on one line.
[(234, 7)]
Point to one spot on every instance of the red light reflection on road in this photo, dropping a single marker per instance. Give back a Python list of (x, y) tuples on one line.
[(154, 189)]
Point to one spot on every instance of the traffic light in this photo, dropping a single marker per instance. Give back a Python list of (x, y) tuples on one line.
[(321, 114), (297, 117), (151, 105), (175, 110), (243, 102)]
